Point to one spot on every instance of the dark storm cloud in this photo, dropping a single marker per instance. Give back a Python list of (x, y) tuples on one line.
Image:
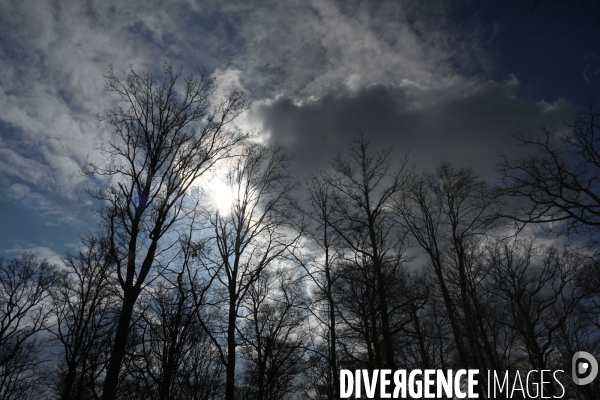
[(468, 126)]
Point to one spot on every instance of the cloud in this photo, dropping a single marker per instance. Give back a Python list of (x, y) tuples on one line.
[(50, 211), (403, 72), (469, 125), (40, 251), (53, 57), (52, 86), (17, 191), (301, 48)]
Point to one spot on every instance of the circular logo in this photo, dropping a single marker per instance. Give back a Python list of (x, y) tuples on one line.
[(583, 363)]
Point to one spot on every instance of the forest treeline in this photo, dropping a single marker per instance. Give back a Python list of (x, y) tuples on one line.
[(367, 264)]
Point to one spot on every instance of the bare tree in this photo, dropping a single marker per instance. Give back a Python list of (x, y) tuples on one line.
[(418, 345), (24, 312), (320, 269), (169, 356), (557, 188), (447, 214), (273, 335), (166, 136), (588, 279), (258, 230), (167, 332), (84, 305), (532, 290), (427, 341), (364, 187), (537, 286), (559, 183), (580, 332)]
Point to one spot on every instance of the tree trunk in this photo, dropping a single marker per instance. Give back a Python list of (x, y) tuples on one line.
[(69, 381), (332, 336), (230, 385), (111, 381)]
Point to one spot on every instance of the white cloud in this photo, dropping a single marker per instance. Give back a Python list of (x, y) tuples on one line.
[(40, 251), (17, 191)]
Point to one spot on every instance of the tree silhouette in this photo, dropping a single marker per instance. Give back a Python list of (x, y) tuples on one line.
[(364, 187), (258, 231), (559, 183), (85, 305), (24, 312), (166, 136)]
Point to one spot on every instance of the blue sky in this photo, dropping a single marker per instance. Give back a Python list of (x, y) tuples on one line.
[(440, 80)]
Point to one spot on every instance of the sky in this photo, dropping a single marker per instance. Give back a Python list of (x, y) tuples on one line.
[(438, 80)]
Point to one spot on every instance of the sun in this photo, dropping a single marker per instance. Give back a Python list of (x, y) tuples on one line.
[(221, 195)]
